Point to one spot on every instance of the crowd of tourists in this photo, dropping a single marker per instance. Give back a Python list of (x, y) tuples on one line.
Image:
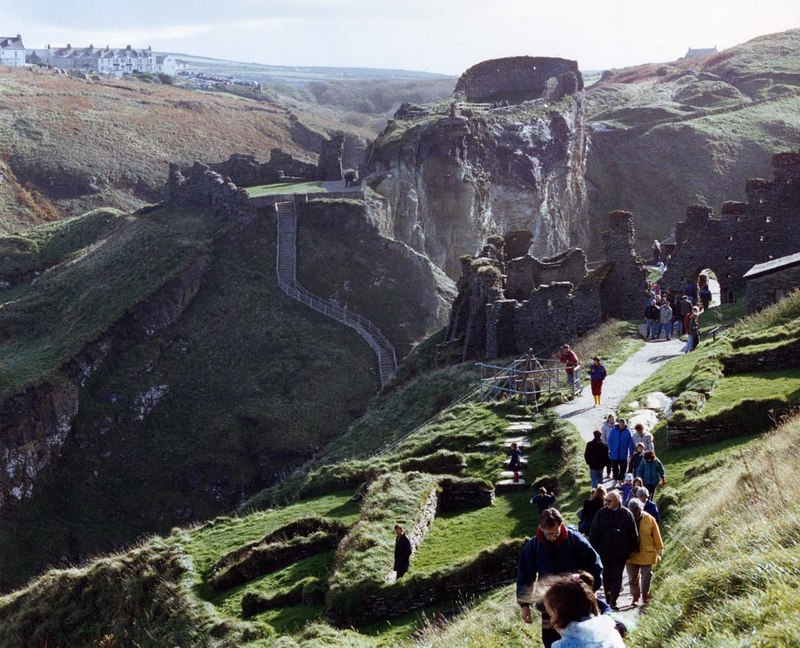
[(563, 568), (672, 314)]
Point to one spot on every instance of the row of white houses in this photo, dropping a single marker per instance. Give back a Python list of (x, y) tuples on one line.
[(104, 60)]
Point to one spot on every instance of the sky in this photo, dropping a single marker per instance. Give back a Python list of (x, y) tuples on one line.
[(445, 36)]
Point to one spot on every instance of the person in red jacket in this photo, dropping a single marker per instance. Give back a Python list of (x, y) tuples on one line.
[(572, 365)]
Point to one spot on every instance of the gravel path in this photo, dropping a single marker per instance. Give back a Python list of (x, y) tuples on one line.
[(582, 413)]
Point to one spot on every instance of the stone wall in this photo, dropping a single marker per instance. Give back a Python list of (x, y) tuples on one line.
[(526, 273), (489, 324), (330, 159), (464, 494), (246, 171), (763, 228), (520, 78), (205, 188), (770, 288)]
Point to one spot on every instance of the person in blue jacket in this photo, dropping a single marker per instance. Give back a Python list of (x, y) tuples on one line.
[(620, 448), (555, 549)]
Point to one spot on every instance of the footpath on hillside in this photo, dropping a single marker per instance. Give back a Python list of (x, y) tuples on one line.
[(583, 414)]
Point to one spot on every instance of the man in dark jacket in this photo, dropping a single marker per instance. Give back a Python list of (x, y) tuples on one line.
[(596, 456), (402, 551), (555, 549), (615, 537)]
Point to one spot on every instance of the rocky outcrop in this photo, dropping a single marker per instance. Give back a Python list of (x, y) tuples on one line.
[(35, 424), (330, 159), (453, 179)]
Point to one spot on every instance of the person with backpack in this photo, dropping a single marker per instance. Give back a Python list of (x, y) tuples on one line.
[(555, 549)]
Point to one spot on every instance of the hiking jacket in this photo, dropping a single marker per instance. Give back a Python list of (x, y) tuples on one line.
[(596, 454), (590, 632), (614, 535), (652, 509), (620, 444), (651, 472), (636, 459), (650, 543), (665, 313), (402, 553), (597, 372), (570, 553)]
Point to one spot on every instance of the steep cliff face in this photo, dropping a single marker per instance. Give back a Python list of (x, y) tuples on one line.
[(455, 176)]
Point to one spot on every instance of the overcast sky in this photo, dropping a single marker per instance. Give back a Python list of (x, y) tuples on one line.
[(444, 36)]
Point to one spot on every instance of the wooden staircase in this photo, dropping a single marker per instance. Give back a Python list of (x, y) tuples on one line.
[(286, 268)]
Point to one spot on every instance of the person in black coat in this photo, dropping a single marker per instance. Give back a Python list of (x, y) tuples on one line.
[(596, 455), (615, 536), (402, 551)]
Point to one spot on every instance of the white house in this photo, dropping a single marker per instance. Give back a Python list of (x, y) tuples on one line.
[(166, 64), (115, 62), (12, 51)]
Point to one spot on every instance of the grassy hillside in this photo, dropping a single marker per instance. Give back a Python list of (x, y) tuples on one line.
[(666, 136), (184, 424), (72, 145)]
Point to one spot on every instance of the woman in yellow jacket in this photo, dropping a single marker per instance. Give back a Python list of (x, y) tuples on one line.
[(640, 564)]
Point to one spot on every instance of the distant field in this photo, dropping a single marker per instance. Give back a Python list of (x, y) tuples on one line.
[(285, 188)]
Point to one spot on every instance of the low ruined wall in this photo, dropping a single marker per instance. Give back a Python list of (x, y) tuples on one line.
[(786, 356), (525, 274), (489, 569), (465, 494)]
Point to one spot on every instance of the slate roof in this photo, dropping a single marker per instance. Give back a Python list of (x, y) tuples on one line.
[(773, 265), (11, 42)]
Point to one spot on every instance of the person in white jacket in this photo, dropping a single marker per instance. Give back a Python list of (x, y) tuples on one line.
[(573, 610)]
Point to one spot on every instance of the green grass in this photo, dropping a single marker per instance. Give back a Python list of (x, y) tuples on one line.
[(209, 542), (285, 188), (67, 307), (769, 387)]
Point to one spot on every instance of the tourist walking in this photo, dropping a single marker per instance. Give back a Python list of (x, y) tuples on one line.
[(402, 551), (665, 318), (649, 505), (645, 438), (597, 374), (596, 501), (640, 564), (515, 461), (596, 456), (651, 315), (555, 549), (574, 612), (685, 309), (543, 500), (636, 458), (570, 360), (615, 537), (605, 428), (651, 470), (620, 448)]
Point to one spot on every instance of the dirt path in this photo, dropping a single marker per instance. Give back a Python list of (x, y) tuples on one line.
[(582, 413)]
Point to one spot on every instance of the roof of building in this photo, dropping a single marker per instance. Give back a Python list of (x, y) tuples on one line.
[(694, 52), (773, 265), (11, 42)]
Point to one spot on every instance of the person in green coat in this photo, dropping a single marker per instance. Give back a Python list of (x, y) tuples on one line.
[(651, 470)]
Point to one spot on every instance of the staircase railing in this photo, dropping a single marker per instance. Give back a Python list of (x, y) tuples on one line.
[(286, 270)]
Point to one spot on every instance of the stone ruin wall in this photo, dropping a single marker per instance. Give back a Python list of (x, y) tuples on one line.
[(487, 322), (520, 78), (755, 231)]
